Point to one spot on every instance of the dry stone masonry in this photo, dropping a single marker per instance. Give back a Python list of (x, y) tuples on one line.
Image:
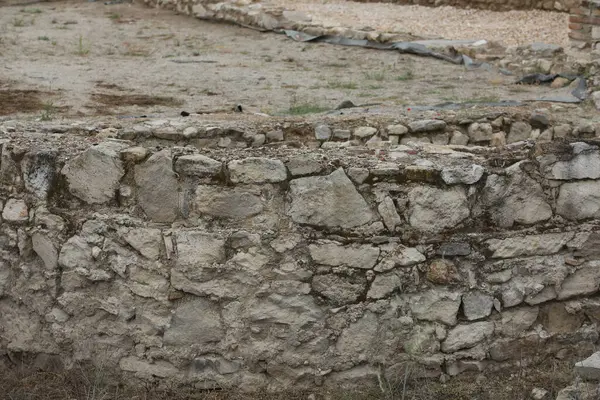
[(190, 259)]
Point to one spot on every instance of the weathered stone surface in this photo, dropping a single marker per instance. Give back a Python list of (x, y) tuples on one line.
[(427, 125), (146, 241), (400, 257), (357, 338), (519, 131), (458, 138), (516, 321), (94, 175), (580, 391), (134, 154), (339, 289), (257, 170), (198, 165), (158, 189), (303, 165), (579, 200), (452, 249), (45, 249), (195, 322), (233, 202), (387, 210), (584, 164), (15, 210), (467, 336), (515, 198), (329, 201), (441, 272), (589, 368), (322, 132), (335, 254), (532, 245), (434, 210), (397, 130), (383, 285), (146, 369), (436, 305), (480, 132), (586, 280), (364, 132), (477, 305), (557, 319), (195, 248), (462, 175)]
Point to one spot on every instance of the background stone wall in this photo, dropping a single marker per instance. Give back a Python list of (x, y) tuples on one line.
[(269, 267)]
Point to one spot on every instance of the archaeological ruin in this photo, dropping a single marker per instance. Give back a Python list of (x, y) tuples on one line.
[(245, 250)]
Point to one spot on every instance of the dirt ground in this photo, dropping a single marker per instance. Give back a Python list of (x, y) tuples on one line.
[(82, 59)]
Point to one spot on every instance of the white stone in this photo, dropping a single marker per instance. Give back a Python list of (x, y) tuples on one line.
[(579, 200), (477, 305), (387, 210), (15, 210), (589, 368), (364, 132)]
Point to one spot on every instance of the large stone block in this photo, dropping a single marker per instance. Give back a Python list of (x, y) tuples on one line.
[(257, 170), (436, 305), (330, 201), (467, 336), (584, 164), (226, 202), (579, 200), (94, 175), (433, 210), (515, 198), (158, 188), (532, 245), (339, 289)]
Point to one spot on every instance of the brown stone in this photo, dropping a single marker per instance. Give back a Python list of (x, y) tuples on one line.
[(442, 272), (556, 319), (559, 83)]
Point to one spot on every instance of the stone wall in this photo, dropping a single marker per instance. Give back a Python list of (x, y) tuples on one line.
[(584, 25), (281, 265)]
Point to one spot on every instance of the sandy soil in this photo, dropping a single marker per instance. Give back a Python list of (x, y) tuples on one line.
[(89, 59), (512, 28)]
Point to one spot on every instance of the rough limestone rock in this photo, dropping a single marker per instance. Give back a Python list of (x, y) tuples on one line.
[(579, 200), (462, 174), (480, 132), (584, 164), (358, 337), (532, 245), (436, 305), (15, 210), (515, 198), (383, 285), (195, 248), (196, 322), (94, 175), (467, 336), (441, 272), (387, 210), (233, 202), (433, 210), (257, 170), (477, 305), (516, 321), (146, 241), (335, 254), (303, 165), (584, 281), (339, 289), (45, 249), (158, 188), (198, 165), (427, 125), (330, 201), (580, 391), (519, 131), (589, 368), (364, 132)]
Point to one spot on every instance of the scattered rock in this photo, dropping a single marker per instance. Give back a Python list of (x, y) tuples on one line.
[(275, 136)]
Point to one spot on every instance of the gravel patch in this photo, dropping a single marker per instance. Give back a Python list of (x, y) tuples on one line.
[(512, 28)]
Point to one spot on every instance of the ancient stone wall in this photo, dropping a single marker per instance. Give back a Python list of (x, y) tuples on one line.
[(584, 25), (181, 254)]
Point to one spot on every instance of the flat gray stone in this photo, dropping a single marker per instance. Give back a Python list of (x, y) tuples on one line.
[(198, 165), (257, 170), (158, 188), (427, 125), (589, 368)]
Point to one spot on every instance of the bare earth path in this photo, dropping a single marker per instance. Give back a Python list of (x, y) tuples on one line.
[(79, 59)]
